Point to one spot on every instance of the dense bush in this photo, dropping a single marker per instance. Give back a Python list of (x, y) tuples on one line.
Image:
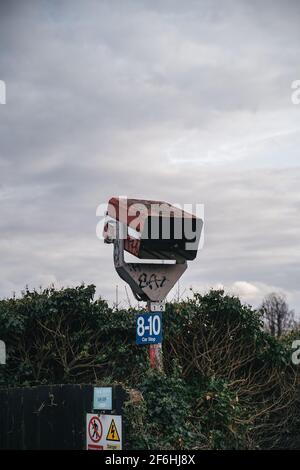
[(226, 383), (66, 337)]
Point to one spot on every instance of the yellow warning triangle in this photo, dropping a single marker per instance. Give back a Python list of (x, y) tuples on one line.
[(112, 434)]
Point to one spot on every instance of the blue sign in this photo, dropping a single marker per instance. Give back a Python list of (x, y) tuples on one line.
[(102, 398), (149, 328)]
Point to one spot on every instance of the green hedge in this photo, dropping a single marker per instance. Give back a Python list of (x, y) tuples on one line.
[(226, 383)]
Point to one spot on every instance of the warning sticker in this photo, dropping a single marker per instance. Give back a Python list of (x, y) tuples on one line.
[(94, 447), (103, 432), (112, 447), (95, 429), (113, 434)]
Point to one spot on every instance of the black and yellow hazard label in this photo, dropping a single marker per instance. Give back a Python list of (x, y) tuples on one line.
[(113, 434)]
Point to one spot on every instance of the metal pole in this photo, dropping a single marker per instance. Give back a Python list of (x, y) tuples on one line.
[(117, 297), (155, 351)]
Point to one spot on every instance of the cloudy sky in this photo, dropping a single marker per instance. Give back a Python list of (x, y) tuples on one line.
[(188, 102)]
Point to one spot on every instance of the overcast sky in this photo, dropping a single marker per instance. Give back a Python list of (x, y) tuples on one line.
[(188, 102)]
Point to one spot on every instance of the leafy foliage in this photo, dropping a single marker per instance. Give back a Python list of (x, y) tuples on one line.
[(226, 382), (66, 337)]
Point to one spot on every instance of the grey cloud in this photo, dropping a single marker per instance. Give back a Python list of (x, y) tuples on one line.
[(100, 93)]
